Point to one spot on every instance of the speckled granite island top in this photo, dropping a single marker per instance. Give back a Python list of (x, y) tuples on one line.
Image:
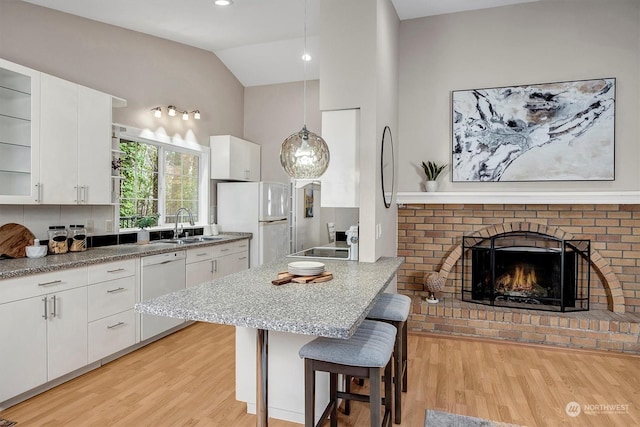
[(25, 266), (332, 309)]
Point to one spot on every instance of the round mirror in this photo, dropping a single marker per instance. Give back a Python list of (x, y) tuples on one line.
[(387, 172)]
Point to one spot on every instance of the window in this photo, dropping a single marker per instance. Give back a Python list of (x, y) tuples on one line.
[(158, 179)]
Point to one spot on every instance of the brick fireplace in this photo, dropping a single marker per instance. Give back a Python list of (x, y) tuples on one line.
[(430, 238)]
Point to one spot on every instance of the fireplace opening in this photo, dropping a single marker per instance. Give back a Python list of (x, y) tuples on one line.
[(526, 270)]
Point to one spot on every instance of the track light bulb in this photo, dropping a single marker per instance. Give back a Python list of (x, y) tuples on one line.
[(172, 110)]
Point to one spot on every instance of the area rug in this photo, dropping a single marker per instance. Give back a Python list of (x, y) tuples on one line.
[(7, 423), (445, 419)]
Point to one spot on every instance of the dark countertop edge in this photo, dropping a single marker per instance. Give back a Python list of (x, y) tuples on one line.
[(101, 255)]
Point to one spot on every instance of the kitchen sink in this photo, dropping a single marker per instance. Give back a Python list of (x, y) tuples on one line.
[(192, 239)]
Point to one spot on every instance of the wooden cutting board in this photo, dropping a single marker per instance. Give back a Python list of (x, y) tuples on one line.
[(13, 239), (285, 277)]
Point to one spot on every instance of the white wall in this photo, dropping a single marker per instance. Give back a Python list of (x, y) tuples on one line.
[(146, 71), (358, 42), (271, 114), (538, 42)]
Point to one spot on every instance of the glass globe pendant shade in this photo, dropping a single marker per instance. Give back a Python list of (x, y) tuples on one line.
[(304, 155)]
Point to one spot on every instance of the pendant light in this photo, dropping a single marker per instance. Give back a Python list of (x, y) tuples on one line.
[(304, 155)]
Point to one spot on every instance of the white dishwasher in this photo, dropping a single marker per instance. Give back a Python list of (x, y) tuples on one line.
[(161, 274)]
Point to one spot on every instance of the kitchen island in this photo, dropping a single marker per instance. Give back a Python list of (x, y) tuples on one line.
[(295, 313)]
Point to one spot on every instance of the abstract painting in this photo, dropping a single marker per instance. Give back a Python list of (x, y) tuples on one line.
[(541, 132)]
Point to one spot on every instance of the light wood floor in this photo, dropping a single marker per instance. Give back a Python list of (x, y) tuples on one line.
[(187, 379)]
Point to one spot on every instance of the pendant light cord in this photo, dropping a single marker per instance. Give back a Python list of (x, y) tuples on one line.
[(304, 74)]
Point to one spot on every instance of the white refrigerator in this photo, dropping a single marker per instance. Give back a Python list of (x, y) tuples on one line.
[(261, 208)]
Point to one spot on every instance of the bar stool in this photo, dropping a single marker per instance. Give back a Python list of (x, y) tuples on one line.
[(394, 309), (364, 355)]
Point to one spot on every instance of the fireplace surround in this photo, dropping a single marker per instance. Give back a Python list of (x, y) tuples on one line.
[(526, 270)]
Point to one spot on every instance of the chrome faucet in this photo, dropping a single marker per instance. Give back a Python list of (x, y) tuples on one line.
[(175, 230)]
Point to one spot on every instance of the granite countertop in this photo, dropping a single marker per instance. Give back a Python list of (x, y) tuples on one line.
[(331, 309), (18, 267)]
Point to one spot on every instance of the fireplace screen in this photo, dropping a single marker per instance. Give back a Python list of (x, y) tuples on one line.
[(526, 270)]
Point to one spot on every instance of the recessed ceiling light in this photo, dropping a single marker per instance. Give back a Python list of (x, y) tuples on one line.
[(223, 2)]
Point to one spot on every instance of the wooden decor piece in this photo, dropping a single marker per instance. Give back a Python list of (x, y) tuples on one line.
[(14, 238)]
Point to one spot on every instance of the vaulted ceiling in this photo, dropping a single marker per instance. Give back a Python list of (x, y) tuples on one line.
[(260, 41)]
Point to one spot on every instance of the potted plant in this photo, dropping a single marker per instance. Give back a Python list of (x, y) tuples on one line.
[(432, 170), (143, 223)]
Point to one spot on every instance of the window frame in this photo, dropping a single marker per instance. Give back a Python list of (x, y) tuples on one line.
[(177, 144)]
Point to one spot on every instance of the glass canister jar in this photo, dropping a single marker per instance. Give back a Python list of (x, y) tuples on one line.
[(78, 236), (58, 239)]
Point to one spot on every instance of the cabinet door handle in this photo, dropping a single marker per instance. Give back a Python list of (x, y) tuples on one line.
[(45, 308), (110, 291), (38, 193), (116, 325), (53, 313), (243, 257), (54, 282), (77, 200), (224, 250), (85, 193), (214, 266), (117, 270), (202, 254)]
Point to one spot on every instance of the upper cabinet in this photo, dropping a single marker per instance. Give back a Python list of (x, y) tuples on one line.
[(75, 143), (19, 133), (234, 159), (341, 181), (55, 139)]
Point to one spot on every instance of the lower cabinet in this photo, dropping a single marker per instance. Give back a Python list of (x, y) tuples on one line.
[(111, 334), (111, 296), (44, 329), (24, 341), (55, 323), (66, 332), (208, 263)]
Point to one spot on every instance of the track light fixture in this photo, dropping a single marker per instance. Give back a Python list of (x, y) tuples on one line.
[(172, 110)]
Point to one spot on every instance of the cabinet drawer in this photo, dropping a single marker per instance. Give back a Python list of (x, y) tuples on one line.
[(112, 270), (41, 284), (111, 297), (231, 248), (111, 334), (200, 254)]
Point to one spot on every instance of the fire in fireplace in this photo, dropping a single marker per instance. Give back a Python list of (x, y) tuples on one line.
[(526, 270)]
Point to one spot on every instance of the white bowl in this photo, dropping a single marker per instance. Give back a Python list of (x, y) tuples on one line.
[(36, 251)]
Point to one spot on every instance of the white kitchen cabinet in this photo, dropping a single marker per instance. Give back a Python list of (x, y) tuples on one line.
[(201, 267), (234, 159), (19, 134), (208, 263), (232, 258), (75, 142), (94, 146), (341, 181), (66, 332), (24, 340), (44, 333), (111, 296)]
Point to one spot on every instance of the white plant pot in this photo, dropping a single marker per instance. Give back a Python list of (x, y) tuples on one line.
[(143, 237), (432, 186)]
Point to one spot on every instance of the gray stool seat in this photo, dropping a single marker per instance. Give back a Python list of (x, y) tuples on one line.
[(394, 309), (364, 355)]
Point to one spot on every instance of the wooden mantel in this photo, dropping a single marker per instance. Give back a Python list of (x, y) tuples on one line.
[(520, 197)]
